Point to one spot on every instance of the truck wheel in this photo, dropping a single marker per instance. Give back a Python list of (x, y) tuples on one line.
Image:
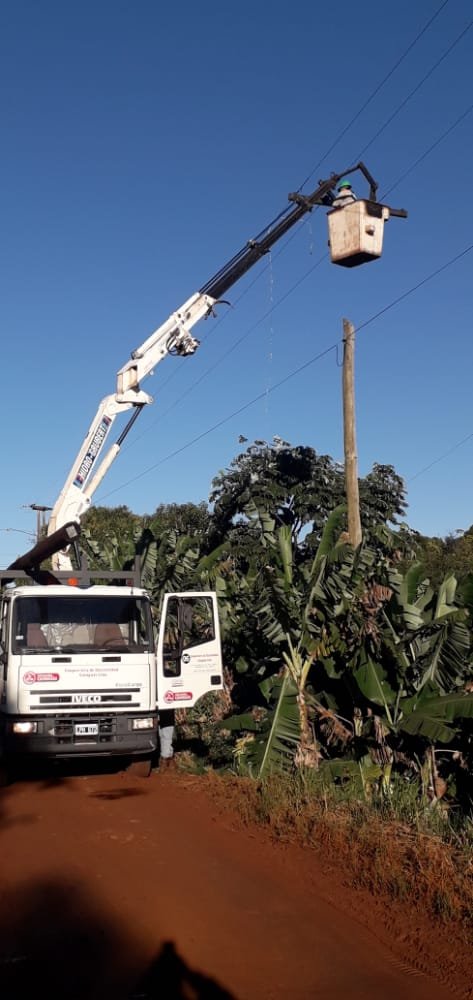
[(140, 768)]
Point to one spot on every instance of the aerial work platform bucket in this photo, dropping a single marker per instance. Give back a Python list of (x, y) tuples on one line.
[(356, 232)]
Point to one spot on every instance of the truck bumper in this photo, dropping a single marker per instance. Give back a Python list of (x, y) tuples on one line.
[(84, 735)]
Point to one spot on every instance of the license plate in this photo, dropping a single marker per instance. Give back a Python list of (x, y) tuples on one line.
[(86, 729)]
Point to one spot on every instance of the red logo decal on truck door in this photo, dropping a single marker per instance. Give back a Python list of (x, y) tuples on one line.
[(33, 678), (171, 696)]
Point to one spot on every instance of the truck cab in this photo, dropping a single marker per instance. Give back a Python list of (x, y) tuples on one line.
[(84, 670)]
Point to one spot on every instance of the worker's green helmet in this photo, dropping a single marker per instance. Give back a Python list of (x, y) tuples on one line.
[(344, 184)]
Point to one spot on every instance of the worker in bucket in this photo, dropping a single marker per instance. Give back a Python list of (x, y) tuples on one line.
[(345, 195)]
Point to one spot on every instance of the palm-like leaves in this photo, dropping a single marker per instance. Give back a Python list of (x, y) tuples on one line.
[(435, 718), (364, 637), (274, 745), (385, 642)]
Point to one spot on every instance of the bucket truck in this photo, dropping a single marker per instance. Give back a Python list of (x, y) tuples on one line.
[(83, 671)]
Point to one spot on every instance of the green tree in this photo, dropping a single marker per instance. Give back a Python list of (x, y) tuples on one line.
[(440, 556), (381, 659), (112, 527), (183, 518), (298, 488)]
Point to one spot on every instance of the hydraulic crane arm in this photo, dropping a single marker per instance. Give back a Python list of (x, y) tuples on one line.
[(172, 337)]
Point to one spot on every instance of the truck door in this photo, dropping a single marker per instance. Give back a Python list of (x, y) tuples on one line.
[(3, 649), (189, 657)]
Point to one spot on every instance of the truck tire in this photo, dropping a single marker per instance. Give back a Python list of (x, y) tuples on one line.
[(140, 768)]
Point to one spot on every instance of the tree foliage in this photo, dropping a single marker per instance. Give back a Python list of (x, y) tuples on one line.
[(440, 556), (298, 488), (355, 662)]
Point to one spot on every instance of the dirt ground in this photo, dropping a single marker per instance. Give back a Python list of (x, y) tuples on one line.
[(112, 886)]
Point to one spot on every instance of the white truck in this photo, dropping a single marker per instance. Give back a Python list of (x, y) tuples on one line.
[(83, 671)]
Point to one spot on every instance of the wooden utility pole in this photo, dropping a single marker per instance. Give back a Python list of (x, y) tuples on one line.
[(40, 517), (349, 435)]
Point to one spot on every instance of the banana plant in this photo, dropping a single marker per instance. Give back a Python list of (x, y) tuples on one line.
[(286, 737), (430, 630), (395, 658), (416, 681), (272, 735)]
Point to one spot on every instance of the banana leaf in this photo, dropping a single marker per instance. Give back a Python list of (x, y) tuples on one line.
[(334, 526), (410, 583), (285, 550), (371, 680), (359, 771), (240, 723), (447, 651), (434, 717), (446, 596), (275, 749)]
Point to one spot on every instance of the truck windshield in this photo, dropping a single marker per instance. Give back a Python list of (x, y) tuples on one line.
[(81, 624)]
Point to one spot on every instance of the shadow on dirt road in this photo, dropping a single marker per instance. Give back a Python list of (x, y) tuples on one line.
[(169, 977), (55, 941)]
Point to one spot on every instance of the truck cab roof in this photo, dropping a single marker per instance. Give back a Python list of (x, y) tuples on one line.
[(62, 590)]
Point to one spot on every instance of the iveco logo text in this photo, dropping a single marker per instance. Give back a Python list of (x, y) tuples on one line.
[(86, 699)]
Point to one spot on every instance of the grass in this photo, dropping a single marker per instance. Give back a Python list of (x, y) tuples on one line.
[(393, 849)]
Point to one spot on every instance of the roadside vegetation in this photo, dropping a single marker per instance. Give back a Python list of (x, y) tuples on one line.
[(349, 694), (401, 854)]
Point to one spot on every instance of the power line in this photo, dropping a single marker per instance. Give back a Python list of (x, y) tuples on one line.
[(275, 305), (251, 329), (216, 364), (415, 89), (440, 458), (423, 156), (372, 140), (424, 281), (194, 385), (444, 55), (377, 134), (294, 373), (224, 420), (376, 90), (245, 335)]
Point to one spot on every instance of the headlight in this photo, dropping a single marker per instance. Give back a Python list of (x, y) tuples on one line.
[(143, 723), (25, 727)]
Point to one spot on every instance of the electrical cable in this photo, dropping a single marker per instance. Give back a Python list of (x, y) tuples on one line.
[(377, 134), (372, 140), (416, 89), (423, 156), (424, 281), (216, 364), (224, 420), (440, 458), (388, 191), (376, 90), (240, 340), (258, 322), (346, 128), (294, 373), (289, 208), (243, 337)]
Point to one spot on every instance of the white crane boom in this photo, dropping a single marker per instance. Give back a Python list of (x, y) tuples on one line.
[(174, 337), (90, 466)]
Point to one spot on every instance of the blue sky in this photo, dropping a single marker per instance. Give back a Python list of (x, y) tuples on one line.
[(142, 145)]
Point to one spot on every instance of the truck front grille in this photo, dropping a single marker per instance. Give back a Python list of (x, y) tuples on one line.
[(64, 729)]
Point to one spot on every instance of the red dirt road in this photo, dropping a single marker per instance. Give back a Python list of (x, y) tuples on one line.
[(116, 887)]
